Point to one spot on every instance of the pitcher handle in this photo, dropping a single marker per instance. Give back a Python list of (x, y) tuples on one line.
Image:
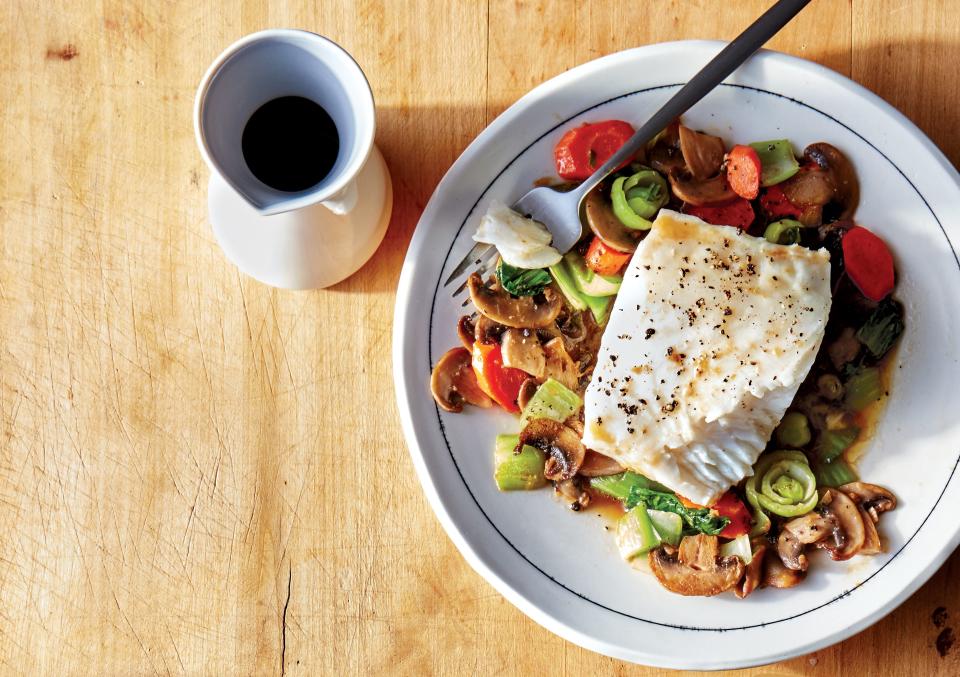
[(343, 201)]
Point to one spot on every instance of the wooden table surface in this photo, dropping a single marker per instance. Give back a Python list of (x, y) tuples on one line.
[(203, 475)]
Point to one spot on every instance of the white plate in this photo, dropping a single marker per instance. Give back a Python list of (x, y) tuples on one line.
[(561, 568)]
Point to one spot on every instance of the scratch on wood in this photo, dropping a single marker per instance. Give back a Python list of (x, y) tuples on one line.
[(283, 622)]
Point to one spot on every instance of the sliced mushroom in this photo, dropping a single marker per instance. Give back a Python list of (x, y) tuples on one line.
[(810, 187), (751, 574), (559, 364), (800, 532), (664, 154), (486, 330), (527, 390), (692, 570), (523, 312), (872, 498), (702, 153), (776, 575), (521, 350), (562, 445), (827, 178), (871, 538), (454, 382), (844, 178), (849, 537), (699, 552), (597, 465), (710, 191), (466, 331), (605, 224)]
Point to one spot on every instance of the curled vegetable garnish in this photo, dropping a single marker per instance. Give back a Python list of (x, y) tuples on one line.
[(637, 198), (782, 484)]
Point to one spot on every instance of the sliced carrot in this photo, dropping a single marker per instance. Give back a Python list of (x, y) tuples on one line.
[(605, 260), (743, 171), (738, 213), (687, 503), (582, 149), (868, 262)]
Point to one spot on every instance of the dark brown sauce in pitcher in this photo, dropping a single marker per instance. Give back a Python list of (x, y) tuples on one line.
[(290, 143)]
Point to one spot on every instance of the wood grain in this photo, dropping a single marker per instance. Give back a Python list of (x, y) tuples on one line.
[(202, 475)]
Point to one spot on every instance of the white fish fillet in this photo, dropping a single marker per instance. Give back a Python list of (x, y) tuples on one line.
[(711, 335), (521, 242)]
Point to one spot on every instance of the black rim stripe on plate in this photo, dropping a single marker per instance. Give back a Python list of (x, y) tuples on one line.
[(443, 431)]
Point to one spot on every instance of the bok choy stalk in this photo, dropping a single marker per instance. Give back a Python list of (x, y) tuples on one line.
[(882, 328), (633, 489)]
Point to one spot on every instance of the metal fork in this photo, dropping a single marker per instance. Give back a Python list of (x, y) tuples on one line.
[(560, 212)]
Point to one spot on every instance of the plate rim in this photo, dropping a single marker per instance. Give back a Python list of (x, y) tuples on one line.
[(468, 551)]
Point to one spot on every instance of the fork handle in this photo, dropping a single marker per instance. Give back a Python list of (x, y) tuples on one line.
[(711, 75)]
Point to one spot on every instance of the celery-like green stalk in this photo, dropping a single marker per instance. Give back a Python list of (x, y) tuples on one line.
[(835, 474), (635, 533), (863, 389), (552, 400), (669, 525), (833, 443), (517, 472), (619, 486)]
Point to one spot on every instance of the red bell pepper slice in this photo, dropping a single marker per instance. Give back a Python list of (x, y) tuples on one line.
[(733, 509), (499, 382), (738, 213), (776, 206)]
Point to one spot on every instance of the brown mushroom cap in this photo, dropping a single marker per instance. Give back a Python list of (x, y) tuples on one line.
[(499, 306), (664, 154), (562, 445), (827, 177), (605, 224), (466, 331), (752, 574), (486, 330), (800, 532), (809, 187), (696, 569), (597, 465), (776, 575), (714, 190), (850, 534), (872, 498), (844, 178), (702, 153), (521, 350), (454, 382)]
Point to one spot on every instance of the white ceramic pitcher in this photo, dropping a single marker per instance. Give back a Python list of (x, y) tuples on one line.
[(296, 240)]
